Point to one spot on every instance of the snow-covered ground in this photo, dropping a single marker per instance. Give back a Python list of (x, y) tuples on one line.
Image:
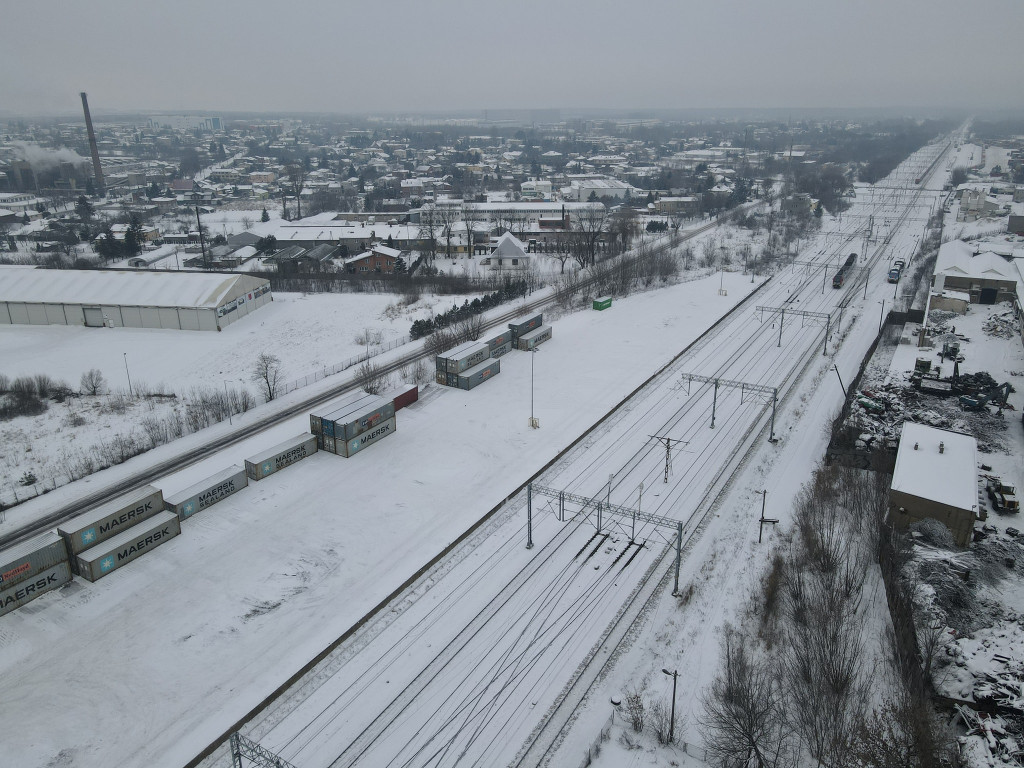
[(194, 634), (307, 332)]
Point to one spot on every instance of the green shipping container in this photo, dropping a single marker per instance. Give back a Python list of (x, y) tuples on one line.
[(604, 302)]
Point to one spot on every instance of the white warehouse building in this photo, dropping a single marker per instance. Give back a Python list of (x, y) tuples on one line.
[(187, 301)]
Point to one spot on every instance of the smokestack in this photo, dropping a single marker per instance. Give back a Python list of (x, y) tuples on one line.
[(95, 150)]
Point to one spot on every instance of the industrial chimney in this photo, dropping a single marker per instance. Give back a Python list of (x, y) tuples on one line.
[(95, 150)]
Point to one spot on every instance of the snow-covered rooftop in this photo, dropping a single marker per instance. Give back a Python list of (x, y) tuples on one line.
[(959, 259), (99, 287), (948, 477)]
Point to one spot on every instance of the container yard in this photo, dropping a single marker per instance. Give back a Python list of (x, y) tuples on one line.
[(280, 456), (98, 561), (105, 522), (207, 493)]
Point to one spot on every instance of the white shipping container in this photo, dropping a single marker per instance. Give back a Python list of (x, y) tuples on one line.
[(97, 562), (22, 561)]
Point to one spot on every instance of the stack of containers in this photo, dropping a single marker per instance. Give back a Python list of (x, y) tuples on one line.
[(522, 327), (500, 343), (103, 532), (29, 569), (280, 456), (96, 562), (460, 359), (357, 424), (535, 338), (322, 425)]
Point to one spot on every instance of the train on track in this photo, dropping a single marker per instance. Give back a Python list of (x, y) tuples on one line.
[(840, 276)]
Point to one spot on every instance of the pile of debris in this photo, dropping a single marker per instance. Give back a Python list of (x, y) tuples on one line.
[(1004, 325), (989, 741)]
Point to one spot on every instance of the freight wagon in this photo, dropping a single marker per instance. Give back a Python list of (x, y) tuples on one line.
[(207, 493), (535, 338), (280, 456), (97, 562), (92, 527), (521, 327)]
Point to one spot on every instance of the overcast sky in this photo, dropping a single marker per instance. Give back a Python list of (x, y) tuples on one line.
[(437, 55)]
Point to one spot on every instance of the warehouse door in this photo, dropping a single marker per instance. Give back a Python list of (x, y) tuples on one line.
[(988, 296), (93, 317)]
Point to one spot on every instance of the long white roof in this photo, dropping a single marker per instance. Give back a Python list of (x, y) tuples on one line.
[(958, 259), (97, 287), (950, 477)]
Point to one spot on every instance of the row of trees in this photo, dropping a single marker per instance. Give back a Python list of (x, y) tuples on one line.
[(512, 289), (804, 680)]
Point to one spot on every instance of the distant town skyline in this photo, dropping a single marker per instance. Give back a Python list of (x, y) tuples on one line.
[(403, 56)]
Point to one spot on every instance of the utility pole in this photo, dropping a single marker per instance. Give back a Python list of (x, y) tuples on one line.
[(130, 394), (667, 442), (760, 531), (672, 723), (202, 242)]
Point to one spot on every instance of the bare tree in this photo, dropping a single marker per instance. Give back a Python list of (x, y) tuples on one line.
[(428, 231), (588, 225), (297, 179), (92, 382), (448, 217), (372, 378), (470, 217), (744, 723), (267, 374)]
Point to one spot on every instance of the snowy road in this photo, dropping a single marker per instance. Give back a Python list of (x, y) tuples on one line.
[(472, 666)]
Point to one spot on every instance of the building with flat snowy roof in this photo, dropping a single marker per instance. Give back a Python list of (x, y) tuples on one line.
[(936, 476), (187, 301)]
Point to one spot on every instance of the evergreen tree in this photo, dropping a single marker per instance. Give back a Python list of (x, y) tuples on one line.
[(265, 216), (84, 208), (400, 267)]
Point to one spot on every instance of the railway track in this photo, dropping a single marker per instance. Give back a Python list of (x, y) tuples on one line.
[(647, 587)]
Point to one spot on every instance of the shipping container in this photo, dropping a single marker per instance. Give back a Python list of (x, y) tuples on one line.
[(207, 493), (26, 591), (329, 444), (441, 364), (280, 456), (97, 562), (403, 396), (603, 302), (478, 375), (504, 349), (92, 527), (535, 338), (357, 444), (522, 327), (466, 356), (317, 418), (25, 560), (361, 417), (499, 339), (441, 378)]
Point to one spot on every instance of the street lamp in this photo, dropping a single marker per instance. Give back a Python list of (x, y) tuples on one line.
[(128, 375), (534, 422), (672, 723)]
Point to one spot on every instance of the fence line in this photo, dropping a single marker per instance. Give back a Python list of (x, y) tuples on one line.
[(322, 374)]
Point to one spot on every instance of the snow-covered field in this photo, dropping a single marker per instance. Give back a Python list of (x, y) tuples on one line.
[(193, 635), (307, 332)]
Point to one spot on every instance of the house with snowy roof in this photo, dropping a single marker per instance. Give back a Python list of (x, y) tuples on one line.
[(509, 254), (986, 277)]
